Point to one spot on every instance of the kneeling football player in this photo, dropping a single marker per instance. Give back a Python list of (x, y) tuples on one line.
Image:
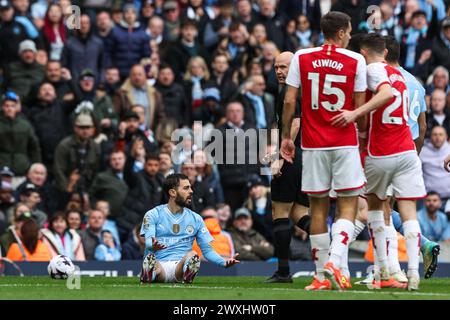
[(170, 231)]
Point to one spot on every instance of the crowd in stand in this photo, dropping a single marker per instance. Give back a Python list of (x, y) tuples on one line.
[(89, 104)]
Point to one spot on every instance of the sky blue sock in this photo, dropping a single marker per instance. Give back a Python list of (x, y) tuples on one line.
[(398, 225)]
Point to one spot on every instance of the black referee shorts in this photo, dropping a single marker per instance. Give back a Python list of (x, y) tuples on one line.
[(287, 187)]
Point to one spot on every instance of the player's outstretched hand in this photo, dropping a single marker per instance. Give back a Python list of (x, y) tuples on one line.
[(343, 119), (287, 150), (156, 245), (447, 163), (232, 261)]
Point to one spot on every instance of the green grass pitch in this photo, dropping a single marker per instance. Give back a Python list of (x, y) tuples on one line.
[(205, 288)]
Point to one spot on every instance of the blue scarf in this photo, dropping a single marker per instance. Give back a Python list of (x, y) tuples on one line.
[(65, 249), (233, 50), (197, 92), (412, 40), (304, 38), (258, 104)]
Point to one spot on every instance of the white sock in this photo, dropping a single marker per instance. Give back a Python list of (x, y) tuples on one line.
[(342, 233), (344, 264), (320, 245), (412, 236), (359, 227), (392, 248), (376, 225)]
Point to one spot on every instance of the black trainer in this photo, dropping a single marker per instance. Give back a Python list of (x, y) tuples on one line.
[(276, 278)]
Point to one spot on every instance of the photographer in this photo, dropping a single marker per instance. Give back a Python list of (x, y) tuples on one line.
[(77, 157)]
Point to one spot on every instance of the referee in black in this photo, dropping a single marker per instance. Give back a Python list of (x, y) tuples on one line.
[(288, 202)]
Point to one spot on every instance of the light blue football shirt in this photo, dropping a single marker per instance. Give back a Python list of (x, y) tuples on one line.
[(417, 102), (176, 231), (438, 230)]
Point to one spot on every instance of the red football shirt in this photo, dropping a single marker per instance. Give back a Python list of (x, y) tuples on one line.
[(328, 76), (389, 133)]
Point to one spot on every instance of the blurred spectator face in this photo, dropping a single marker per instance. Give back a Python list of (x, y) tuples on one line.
[(302, 23), (291, 26), (235, 113), (59, 225), (5, 194), (151, 167), (244, 8), (104, 21), (197, 69), (55, 13), (167, 147), (32, 200), (267, 7), (87, 83), (270, 51), (188, 169), (243, 223), (37, 174), (85, 24), (437, 101), (74, 220), (53, 71), (438, 137), (156, 26), (419, 22), (10, 109), (220, 64), (42, 57), (147, 10), (21, 6), (20, 210), (433, 203), (440, 79), (117, 161), (7, 14), (259, 32), (96, 220), (256, 192), (256, 68), (200, 159), (47, 93), (84, 132), (195, 3), (188, 33), (224, 213), (209, 213), (108, 238), (132, 125), (130, 17), (116, 16), (386, 10), (103, 207), (237, 37), (28, 56), (165, 162), (65, 7), (137, 76), (140, 111), (226, 11), (166, 76), (259, 85), (446, 31), (112, 75), (172, 15)]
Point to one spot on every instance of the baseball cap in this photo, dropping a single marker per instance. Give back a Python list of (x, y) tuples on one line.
[(170, 5), (242, 212), (11, 96), (131, 115), (29, 187), (5, 4), (254, 181), (6, 171), (211, 93), (446, 23), (84, 120), (87, 73), (129, 6), (27, 45)]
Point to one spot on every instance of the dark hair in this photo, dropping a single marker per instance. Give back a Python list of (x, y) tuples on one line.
[(234, 26), (355, 42), (433, 193), (30, 234), (68, 212), (165, 65), (173, 181), (333, 22), (374, 42), (57, 215), (393, 48), (189, 22), (418, 13), (152, 156)]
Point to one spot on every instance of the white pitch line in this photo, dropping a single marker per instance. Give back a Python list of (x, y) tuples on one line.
[(175, 286)]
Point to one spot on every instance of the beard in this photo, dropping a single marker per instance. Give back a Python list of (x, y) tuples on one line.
[(183, 202)]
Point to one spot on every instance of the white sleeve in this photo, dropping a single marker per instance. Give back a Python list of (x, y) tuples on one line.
[(293, 77), (361, 76), (376, 76)]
